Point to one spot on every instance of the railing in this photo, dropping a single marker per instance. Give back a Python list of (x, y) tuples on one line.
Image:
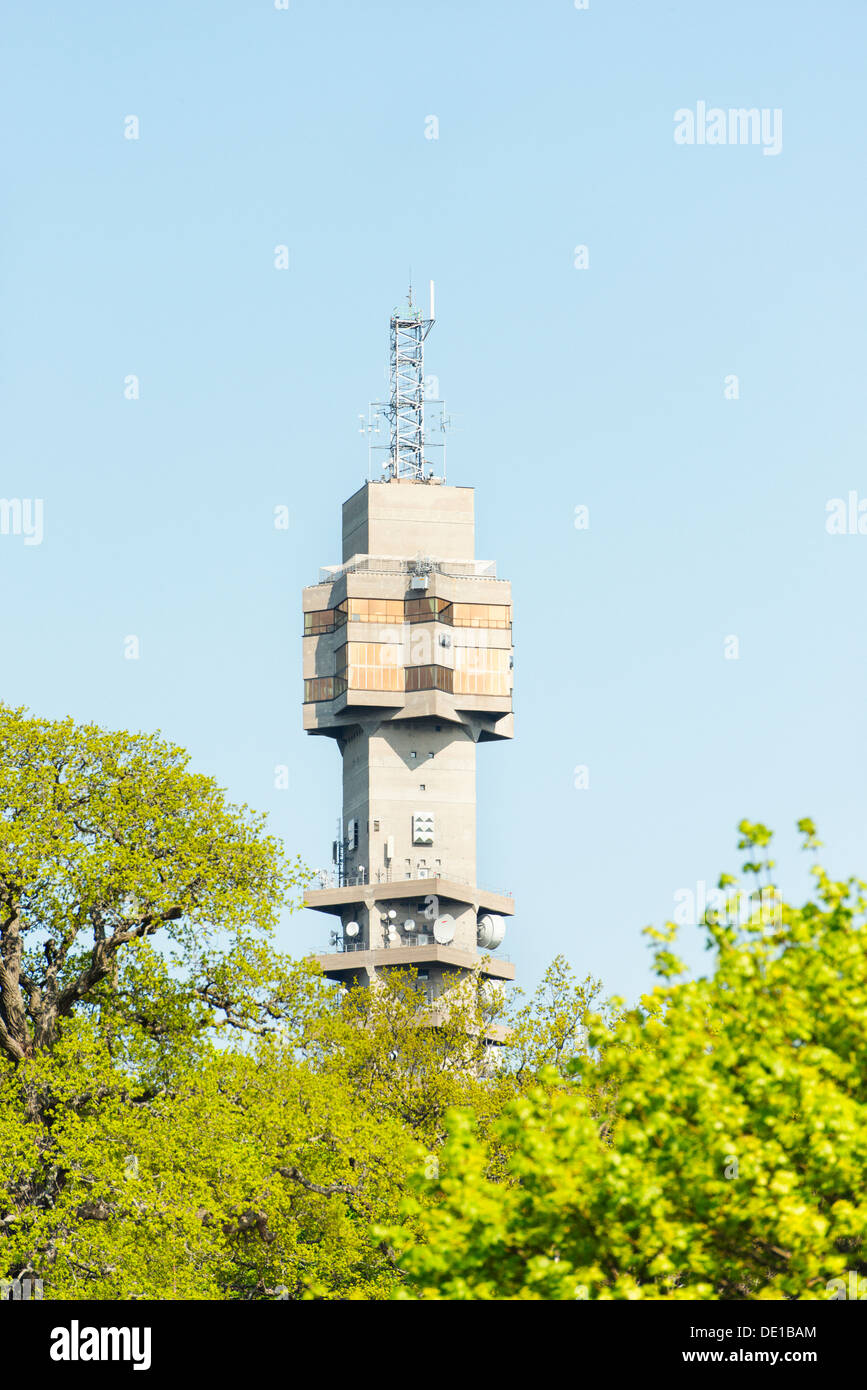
[(389, 876), (357, 878), (333, 878), (427, 939), (420, 939), (387, 564)]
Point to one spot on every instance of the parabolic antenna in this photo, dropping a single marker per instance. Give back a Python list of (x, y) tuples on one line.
[(490, 932), (409, 924), (444, 929), (352, 929)]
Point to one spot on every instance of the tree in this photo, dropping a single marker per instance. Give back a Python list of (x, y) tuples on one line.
[(551, 1028), (734, 1164), (185, 1112), (140, 1160), (108, 839), (136, 916), (249, 1177)]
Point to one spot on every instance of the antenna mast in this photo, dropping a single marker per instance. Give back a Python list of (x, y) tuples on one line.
[(405, 410), (406, 407)]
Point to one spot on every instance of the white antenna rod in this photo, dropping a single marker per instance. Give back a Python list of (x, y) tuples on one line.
[(431, 301)]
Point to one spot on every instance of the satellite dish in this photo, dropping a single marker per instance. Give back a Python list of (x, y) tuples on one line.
[(444, 929), (352, 929), (391, 914), (490, 932), (409, 924)]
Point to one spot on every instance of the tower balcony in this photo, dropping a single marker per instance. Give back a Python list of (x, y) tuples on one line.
[(392, 564), (335, 896), (362, 965)]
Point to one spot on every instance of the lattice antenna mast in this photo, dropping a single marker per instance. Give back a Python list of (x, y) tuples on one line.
[(406, 406), (405, 409)]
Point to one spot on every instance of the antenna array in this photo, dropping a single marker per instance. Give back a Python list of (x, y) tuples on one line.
[(405, 409)]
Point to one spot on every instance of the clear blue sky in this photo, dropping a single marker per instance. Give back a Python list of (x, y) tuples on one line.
[(601, 387)]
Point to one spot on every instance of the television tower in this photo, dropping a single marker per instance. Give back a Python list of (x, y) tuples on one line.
[(408, 666)]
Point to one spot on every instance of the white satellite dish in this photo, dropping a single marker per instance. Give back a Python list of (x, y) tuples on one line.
[(490, 932), (391, 914), (409, 924), (352, 929), (444, 929)]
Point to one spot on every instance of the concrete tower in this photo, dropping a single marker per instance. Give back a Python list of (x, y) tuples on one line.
[(408, 667)]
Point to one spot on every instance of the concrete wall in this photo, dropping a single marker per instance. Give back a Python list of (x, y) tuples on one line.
[(382, 786), (408, 519)]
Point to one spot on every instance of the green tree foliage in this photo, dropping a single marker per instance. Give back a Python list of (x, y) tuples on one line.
[(185, 1112), (249, 1177), (107, 839), (734, 1163)]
